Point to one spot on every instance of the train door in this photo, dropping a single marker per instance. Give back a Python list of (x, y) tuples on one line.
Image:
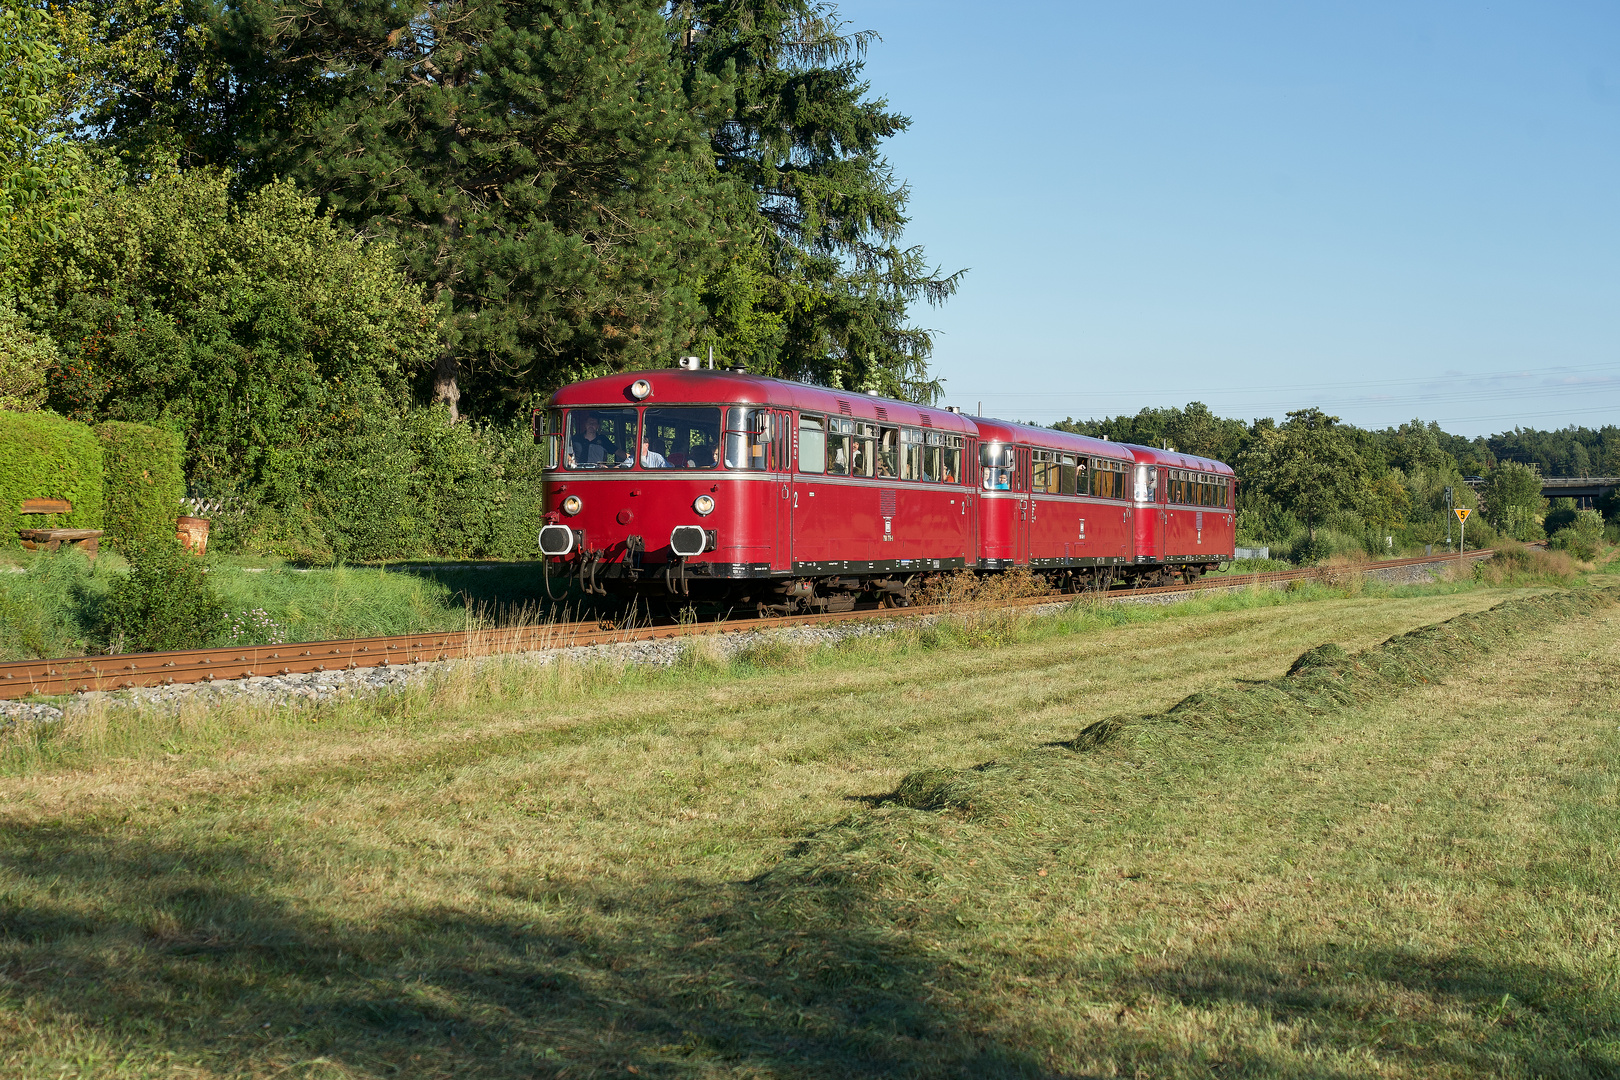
[(968, 511), (1159, 536), (1026, 508), (782, 442), (814, 504)]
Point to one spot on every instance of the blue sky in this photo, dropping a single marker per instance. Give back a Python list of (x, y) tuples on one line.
[(1388, 210)]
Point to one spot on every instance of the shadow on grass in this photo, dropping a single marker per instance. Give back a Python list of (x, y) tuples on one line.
[(197, 953), (1450, 1013), (200, 953)]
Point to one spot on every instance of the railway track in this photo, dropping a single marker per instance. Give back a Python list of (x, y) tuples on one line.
[(123, 671)]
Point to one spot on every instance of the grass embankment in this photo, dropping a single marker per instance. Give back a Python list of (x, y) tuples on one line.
[(50, 605), (1348, 870)]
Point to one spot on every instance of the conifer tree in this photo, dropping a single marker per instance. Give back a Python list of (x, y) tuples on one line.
[(826, 291)]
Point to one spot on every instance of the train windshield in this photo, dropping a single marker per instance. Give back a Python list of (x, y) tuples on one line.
[(997, 462), (681, 437), (603, 438)]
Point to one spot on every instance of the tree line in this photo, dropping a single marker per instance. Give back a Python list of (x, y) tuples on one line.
[(1312, 486), (282, 227)]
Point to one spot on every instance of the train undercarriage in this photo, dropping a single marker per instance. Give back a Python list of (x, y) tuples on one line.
[(676, 586)]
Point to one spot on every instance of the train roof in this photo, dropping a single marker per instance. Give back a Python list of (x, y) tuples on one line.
[(708, 386), (1175, 459), (1006, 431)]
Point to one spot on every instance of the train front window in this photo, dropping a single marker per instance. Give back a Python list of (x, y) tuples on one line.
[(681, 436), (602, 438), (997, 462)]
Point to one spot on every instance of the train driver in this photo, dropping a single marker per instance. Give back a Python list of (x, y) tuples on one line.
[(590, 446)]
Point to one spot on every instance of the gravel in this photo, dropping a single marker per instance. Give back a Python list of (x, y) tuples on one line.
[(326, 686)]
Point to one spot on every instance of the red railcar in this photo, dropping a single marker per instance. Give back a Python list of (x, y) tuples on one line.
[(732, 487), (724, 485), (1184, 514), (1054, 502)]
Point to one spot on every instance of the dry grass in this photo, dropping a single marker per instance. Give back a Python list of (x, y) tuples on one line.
[(964, 587), (581, 870), (1516, 564)]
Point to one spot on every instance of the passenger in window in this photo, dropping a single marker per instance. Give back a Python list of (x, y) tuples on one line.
[(838, 456), (590, 446), (650, 458), (701, 456)]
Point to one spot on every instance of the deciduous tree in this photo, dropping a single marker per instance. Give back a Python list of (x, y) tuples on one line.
[(1307, 466)]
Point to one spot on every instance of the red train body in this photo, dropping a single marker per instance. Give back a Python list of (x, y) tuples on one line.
[(733, 487)]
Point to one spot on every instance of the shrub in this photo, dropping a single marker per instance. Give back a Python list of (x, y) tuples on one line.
[(165, 602), (1583, 537), (144, 481), (1515, 564), (43, 455)]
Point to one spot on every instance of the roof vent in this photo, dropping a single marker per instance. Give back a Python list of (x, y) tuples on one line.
[(740, 369), (927, 421), (690, 363), (871, 393), (957, 409), (843, 407), (883, 414)]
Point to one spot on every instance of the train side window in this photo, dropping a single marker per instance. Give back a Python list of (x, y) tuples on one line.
[(548, 431), (1102, 479), (837, 446), (812, 445), (888, 453), (748, 434), (910, 454), (950, 459), (1066, 474), (1082, 476)]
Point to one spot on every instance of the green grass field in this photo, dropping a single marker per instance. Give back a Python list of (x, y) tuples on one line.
[(49, 604), (900, 856)]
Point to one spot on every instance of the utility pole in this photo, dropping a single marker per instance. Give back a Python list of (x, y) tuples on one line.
[(1449, 509)]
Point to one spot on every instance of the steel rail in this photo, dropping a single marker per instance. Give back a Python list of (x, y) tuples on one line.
[(123, 671)]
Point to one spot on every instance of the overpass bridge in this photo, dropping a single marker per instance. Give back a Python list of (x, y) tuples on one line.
[(1585, 490)]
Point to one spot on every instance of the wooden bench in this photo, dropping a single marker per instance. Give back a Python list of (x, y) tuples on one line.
[(53, 539)]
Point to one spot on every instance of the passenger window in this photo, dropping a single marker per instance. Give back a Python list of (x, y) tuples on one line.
[(950, 466), (888, 453), (1082, 477), (838, 454), (1066, 474), (911, 454), (812, 445)]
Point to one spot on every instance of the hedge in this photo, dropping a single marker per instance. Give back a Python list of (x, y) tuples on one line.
[(45, 456), (144, 481)]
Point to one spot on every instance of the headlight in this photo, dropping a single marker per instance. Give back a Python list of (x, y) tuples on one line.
[(573, 505), (704, 505), (640, 389)]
